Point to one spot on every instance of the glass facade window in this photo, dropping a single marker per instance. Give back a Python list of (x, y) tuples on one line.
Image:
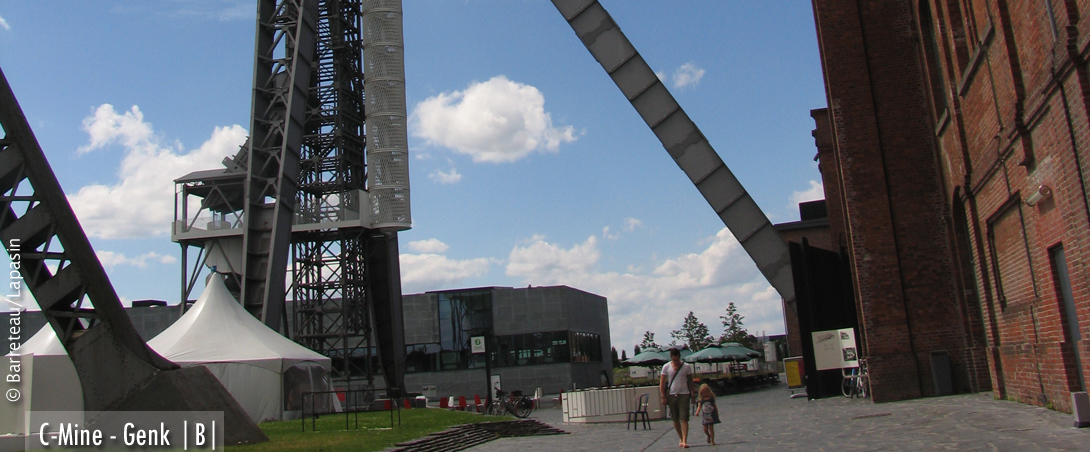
[(422, 358), (463, 315), (529, 349), (585, 347)]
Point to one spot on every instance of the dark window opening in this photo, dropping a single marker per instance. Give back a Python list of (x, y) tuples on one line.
[(1068, 313), (931, 59)]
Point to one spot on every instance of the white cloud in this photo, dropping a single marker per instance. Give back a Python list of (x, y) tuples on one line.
[(688, 75), (701, 282), (106, 126), (495, 121), (661, 75), (606, 235), (814, 193), (222, 10), (630, 224), (112, 259), (4, 24), (424, 272), (430, 246), (140, 203), (547, 262), (451, 177)]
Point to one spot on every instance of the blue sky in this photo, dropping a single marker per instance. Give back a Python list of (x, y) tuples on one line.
[(528, 166)]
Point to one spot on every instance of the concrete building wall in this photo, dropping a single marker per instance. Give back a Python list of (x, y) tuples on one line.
[(530, 310), (592, 317), (421, 318), (149, 321)]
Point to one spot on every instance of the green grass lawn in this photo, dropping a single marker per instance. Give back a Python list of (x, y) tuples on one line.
[(374, 431)]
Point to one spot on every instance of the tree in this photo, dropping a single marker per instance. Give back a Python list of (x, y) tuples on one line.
[(635, 350), (648, 340), (616, 360), (693, 333), (732, 326), (624, 356)]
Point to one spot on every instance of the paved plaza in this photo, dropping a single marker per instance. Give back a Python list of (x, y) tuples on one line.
[(769, 419)]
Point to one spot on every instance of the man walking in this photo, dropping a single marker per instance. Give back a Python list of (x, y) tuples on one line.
[(676, 389)]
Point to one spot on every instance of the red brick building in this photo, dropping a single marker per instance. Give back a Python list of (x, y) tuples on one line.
[(959, 149)]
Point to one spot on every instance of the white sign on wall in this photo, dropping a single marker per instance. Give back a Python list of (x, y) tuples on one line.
[(835, 349), (477, 344)]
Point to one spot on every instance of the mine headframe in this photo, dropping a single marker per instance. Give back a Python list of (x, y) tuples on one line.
[(322, 184)]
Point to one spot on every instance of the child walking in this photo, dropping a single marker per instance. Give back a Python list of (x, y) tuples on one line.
[(709, 412)]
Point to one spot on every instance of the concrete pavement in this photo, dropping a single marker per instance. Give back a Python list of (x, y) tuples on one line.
[(769, 419)]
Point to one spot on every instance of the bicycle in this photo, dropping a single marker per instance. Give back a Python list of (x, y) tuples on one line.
[(516, 404), (857, 381)]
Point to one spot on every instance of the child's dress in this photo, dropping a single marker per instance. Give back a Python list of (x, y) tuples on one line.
[(709, 412)]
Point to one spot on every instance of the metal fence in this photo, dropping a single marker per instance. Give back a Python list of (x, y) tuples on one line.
[(354, 401)]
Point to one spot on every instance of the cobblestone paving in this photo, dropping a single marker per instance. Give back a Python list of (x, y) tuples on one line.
[(770, 420)]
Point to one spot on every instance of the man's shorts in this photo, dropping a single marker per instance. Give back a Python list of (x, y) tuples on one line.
[(679, 406)]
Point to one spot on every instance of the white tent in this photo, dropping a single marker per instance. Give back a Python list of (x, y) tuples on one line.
[(48, 382), (265, 372)]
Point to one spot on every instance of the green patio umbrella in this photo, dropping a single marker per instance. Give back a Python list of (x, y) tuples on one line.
[(725, 352), (649, 356)]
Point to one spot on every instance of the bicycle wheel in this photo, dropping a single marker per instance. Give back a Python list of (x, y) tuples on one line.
[(864, 386), (523, 407)]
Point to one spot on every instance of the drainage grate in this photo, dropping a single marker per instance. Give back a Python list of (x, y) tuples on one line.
[(465, 436)]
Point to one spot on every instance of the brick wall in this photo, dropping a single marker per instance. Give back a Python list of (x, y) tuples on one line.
[(947, 115), (900, 238)]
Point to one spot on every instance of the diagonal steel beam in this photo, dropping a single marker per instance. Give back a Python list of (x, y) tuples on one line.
[(682, 139), (285, 47), (58, 265)]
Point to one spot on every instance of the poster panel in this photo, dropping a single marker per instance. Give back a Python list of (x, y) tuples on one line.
[(835, 349)]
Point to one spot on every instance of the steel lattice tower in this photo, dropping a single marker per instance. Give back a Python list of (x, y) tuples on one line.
[(329, 275)]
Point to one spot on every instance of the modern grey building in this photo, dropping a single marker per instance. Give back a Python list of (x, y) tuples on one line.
[(554, 338)]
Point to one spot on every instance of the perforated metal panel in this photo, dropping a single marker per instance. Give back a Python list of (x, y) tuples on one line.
[(386, 96), (393, 203), (387, 135), (388, 169)]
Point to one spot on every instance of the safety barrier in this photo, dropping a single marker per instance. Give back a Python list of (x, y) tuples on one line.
[(608, 404)]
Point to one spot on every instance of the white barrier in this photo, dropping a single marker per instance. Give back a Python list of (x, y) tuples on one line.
[(609, 404)]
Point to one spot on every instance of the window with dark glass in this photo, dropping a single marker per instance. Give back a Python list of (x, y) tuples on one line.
[(529, 349), (462, 315), (585, 347), (421, 358)]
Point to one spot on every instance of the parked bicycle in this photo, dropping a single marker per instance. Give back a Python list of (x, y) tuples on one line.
[(516, 404), (857, 381)]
